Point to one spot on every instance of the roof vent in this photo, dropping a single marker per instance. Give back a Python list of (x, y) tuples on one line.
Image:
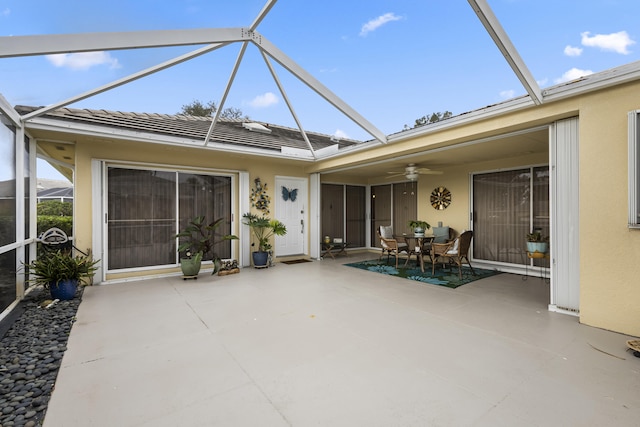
[(256, 127)]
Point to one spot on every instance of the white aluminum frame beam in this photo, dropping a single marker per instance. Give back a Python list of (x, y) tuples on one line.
[(13, 46), (125, 80), (502, 41), (9, 112), (214, 38), (289, 105), (267, 7), (227, 88), (282, 59)]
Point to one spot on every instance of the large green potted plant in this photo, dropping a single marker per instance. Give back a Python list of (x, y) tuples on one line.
[(419, 227), (197, 242), (60, 271), (263, 229)]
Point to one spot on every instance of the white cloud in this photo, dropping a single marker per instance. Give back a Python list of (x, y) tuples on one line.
[(340, 134), (376, 23), (263, 101), (572, 51), (542, 82), (572, 74), (507, 94), (83, 60), (614, 42)]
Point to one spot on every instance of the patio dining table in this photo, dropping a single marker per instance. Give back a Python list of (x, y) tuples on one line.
[(415, 243)]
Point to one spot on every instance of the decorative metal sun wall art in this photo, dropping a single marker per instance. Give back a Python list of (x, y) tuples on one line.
[(440, 198)]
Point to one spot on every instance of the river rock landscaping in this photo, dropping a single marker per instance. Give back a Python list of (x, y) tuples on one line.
[(31, 352)]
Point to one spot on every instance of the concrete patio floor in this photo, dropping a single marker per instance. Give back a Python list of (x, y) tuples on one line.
[(323, 344)]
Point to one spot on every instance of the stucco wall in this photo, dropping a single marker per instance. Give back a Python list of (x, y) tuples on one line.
[(457, 181), (148, 154), (609, 250)]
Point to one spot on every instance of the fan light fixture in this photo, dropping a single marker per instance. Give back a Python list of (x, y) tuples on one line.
[(412, 176), (412, 172)]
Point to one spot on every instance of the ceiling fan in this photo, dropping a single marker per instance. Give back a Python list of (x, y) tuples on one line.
[(412, 171)]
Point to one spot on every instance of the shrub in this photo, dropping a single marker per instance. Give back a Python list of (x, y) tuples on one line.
[(55, 207), (64, 223)]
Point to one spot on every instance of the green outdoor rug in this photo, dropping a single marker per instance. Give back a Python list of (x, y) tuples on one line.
[(444, 277)]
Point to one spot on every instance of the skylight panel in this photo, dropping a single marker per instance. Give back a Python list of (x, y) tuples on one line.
[(256, 127)]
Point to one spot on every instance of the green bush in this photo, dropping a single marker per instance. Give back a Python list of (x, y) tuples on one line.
[(55, 207), (64, 223)]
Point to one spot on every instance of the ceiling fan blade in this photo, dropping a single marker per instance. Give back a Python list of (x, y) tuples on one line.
[(429, 172), (394, 175)]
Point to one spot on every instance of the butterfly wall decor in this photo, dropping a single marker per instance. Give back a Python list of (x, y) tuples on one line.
[(289, 194)]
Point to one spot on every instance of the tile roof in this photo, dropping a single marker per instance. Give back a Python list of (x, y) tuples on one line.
[(226, 131), (56, 192)]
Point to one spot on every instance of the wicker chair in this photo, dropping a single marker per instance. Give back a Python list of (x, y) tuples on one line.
[(440, 235), (390, 245), (456, 252)]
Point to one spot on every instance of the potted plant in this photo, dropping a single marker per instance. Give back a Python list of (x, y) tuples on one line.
[(198, 241), (536, 244), (419, 227), (61, 272), (263, 229)]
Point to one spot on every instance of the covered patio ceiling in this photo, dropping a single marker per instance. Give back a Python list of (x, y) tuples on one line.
[(516, 144), (213, 39)]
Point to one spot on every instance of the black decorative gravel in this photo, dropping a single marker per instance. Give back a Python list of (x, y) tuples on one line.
[(31, 348)]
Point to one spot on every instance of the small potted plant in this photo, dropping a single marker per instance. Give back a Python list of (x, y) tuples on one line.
[(61, 272), (536, 244), (197, 242), (419, 227), (263, 229)]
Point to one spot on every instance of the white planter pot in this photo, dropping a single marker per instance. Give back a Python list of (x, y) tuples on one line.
[(537, 247)]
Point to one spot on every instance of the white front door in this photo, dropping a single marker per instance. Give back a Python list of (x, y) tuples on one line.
[(291, 202)]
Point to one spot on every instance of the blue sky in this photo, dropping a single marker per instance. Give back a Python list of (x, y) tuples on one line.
[(393, 61)]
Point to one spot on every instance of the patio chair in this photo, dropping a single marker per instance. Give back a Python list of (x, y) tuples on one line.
[(456, 252), (390, 245), (442, 234)]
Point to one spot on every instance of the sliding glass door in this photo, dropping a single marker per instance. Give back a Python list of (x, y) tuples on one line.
[(146, 208), (344, 213), (395, 205), (506, 206)]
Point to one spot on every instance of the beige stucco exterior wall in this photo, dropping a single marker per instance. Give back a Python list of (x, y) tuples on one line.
[(171, 157), (457, 181), (609, 250)]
